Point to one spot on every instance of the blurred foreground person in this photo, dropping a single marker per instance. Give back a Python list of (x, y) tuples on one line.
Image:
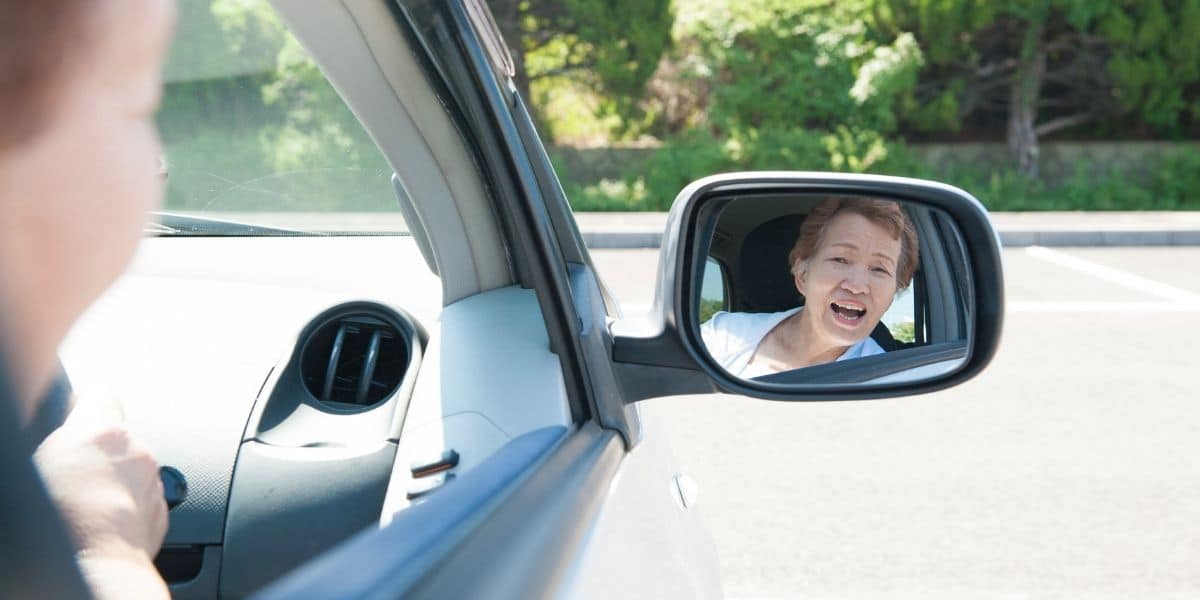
[(79, 85)]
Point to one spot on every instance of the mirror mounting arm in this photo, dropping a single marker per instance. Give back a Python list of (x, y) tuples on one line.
[(651, 363)]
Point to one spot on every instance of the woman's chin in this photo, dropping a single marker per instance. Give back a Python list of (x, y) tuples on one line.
[(850, 331)]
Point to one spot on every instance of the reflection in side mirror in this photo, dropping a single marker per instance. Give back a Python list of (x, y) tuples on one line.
[(832, 289), (714, 296), (749, 303)]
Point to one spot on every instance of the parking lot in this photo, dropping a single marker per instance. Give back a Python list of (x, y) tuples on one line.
[(1069, 469)]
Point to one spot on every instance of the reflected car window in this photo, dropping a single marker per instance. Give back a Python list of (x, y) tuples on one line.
[(712, 291)]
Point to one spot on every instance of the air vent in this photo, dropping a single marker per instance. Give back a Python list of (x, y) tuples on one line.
[(354, 360)]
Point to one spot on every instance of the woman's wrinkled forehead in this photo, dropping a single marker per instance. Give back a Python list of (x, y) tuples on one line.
[(887, 215), (852, 222)]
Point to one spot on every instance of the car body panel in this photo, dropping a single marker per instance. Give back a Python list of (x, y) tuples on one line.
[(650, 539)]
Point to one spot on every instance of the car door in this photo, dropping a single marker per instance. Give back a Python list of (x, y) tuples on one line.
[(595, 507), (554, 511)]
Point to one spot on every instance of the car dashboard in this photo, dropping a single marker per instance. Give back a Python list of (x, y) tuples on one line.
[(277, 375)]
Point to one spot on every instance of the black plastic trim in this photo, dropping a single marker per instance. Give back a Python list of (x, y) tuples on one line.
[(868, 368), (448, 460), (288, 505), (179, 564), (288, 413), (205, 583)]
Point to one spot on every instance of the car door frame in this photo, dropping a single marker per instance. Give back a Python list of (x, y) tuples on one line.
[(546, 249), (541, 518)]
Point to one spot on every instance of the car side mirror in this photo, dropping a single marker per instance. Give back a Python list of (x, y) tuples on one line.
[(816, 286)]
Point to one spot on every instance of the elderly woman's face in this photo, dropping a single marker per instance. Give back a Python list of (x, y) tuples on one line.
[(850, 281)]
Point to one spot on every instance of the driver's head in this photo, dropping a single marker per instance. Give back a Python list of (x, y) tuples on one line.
[(849, 261), (886, 215), (79, 85)]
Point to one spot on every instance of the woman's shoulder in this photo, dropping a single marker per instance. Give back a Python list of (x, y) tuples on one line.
[(866, 347), (730, 319), (726, 320), (742, 325)]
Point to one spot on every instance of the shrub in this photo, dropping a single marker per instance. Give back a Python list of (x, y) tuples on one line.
[(1173, 183)]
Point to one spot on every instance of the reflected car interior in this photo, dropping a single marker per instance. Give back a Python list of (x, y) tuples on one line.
[(751, 240)]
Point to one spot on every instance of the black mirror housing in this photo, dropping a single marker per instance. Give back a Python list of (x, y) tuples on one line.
[(662, 352)]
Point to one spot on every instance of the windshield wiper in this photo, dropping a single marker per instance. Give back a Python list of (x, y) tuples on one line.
[(156, 228), (170, 223)]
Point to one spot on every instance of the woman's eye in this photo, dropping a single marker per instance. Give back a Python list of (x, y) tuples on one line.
[(881, 271), (840, 260)]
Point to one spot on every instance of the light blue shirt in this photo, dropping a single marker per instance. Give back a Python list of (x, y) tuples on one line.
[(732, 339)]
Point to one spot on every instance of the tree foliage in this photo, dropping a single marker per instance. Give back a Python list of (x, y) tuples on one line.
[(1042, 66), (790, 86), (787, 65), (723, 84), (612, 47)]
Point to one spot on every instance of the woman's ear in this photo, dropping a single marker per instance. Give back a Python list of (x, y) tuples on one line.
[(799, 274)]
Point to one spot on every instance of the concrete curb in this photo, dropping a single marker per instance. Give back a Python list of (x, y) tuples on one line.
[(1017, 230)]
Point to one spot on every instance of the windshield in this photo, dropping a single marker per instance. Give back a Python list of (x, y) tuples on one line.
[(257, 142)]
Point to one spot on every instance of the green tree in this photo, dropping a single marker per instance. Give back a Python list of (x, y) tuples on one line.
[(1043, 66), (610, 46), (788, 65)]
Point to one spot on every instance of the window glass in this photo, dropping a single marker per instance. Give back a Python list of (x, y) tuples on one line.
[(712, 290), (254, 134), (900, 319)]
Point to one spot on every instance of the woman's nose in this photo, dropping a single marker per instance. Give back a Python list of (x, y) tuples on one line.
[(856, 281)]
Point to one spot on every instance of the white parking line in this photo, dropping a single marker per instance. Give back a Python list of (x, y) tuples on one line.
[(1116, 307), (1111, 275)]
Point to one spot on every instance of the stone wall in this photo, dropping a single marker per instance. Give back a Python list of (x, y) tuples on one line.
[(1059, 160), (594, 164)]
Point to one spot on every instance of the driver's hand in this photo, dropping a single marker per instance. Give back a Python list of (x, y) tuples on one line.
[(107, 488)]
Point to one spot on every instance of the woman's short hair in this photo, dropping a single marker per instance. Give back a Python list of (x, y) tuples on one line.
[(38, 41), (884, 213)]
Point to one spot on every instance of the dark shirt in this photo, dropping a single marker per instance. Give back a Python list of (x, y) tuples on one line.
[(51, 411)]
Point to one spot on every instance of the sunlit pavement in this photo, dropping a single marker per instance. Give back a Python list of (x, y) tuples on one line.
[(1069, 469)]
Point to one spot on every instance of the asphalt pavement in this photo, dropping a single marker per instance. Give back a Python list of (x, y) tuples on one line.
[(1069, 469)]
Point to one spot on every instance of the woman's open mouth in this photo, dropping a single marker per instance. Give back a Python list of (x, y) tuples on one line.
[(848, 312)]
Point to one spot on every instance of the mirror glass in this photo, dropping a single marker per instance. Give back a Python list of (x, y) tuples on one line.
[(818, 289)]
